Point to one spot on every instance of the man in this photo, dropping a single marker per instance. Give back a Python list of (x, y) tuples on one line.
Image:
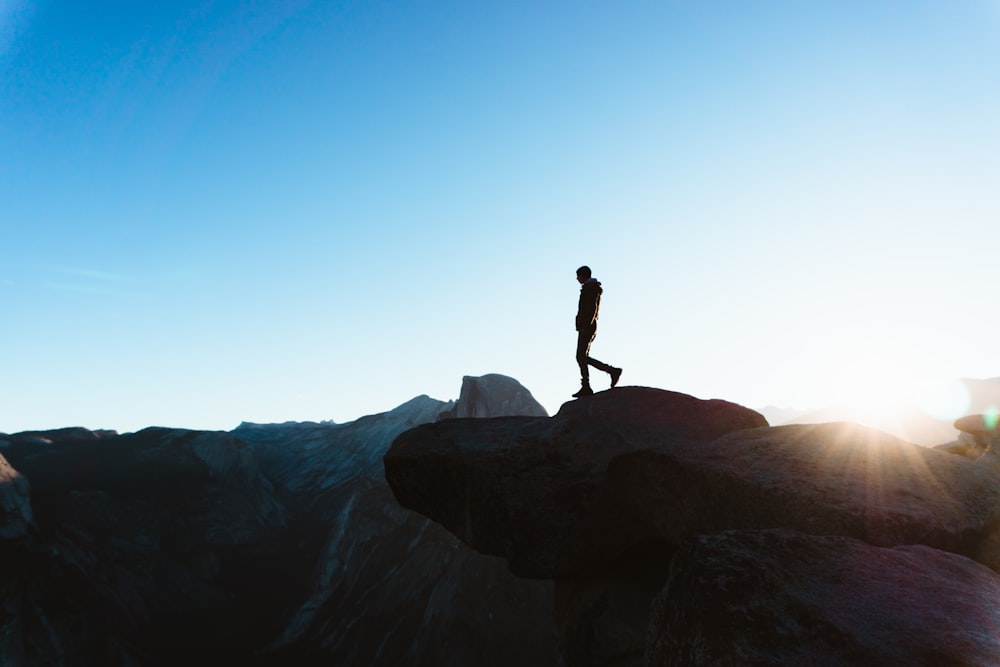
[(586, 326)]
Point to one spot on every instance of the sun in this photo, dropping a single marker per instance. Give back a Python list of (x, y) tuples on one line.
[(886, 381)]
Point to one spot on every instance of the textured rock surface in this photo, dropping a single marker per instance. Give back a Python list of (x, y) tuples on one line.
[(783, 598), (838, 526), (825, 479), (534, 490), (603, 620)]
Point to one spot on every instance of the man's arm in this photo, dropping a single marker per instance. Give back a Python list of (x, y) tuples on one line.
[(587, 310)]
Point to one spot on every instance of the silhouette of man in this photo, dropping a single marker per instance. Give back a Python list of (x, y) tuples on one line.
[(586, 327)]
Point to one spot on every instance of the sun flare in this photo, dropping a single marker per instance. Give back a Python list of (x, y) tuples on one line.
[(893, 382)]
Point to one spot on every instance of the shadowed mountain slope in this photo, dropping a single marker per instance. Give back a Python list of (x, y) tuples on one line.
[(272, 544)]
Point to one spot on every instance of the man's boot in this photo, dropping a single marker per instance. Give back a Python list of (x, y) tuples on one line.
[(616, 374), (585, 390)]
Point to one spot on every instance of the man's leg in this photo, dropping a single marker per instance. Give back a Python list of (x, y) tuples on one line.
[(583, 341), (600, 365), (615, 373)]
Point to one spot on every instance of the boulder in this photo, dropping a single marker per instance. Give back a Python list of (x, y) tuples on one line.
[(672, 415), (823, 479), (977, 424), (778, 597), (979, 434), (534, 490)]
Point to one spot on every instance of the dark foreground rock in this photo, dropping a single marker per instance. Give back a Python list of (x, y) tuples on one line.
[(824, 479), (534, 490), (778, 597), (602, 496)]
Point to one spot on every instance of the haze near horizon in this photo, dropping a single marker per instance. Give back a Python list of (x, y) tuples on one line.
[(224, 211)]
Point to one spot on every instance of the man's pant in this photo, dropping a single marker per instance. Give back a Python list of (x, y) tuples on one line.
[(583, 341)]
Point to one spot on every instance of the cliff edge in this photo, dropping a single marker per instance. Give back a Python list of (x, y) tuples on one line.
[(675, 529)]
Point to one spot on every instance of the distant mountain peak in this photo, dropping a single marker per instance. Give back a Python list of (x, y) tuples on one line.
[(494, 395)]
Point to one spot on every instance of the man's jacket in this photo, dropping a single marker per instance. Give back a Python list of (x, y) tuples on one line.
[(590, 303)]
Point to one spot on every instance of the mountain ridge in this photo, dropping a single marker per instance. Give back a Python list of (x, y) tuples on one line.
[(283, 543), (265, 545)]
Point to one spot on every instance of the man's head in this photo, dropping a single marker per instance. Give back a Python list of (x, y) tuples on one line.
[(583, 274)]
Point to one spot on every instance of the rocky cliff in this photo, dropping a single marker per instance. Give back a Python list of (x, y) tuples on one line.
[(688, 532), (271, 544)]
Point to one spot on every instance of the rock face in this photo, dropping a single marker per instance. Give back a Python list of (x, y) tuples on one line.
[(270, 545), (491, 396), (778, 597), (619, 495), (15, 502), (824, 479), (535, 490)]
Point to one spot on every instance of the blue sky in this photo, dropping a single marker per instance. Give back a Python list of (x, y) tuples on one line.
[(217, 211)]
